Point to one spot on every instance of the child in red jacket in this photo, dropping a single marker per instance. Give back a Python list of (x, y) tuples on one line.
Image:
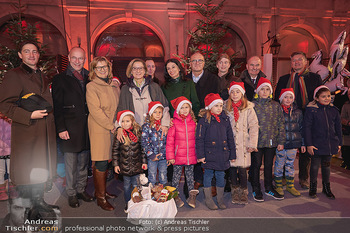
[(180, 147)]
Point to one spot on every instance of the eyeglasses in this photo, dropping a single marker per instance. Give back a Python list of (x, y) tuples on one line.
[(138, 68), (199, 61), (100, 68)]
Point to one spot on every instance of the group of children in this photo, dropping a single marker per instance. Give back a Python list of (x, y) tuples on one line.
[(235, 135)]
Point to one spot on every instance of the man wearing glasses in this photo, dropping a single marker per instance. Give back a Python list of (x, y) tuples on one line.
[(71, 112), (205, 81), (304, 83)]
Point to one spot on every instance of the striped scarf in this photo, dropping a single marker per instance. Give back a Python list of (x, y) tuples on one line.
[(302, 86)]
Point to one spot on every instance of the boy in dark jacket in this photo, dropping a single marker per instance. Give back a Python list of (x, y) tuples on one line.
[(272, 135), (293, 118), (128, 158), (323, 137)]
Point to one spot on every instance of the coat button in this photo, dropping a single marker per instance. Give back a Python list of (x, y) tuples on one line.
[(224, 141), (213, 143)]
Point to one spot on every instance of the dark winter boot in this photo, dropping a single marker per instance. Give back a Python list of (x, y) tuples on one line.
[(313, 189), (327, 190)]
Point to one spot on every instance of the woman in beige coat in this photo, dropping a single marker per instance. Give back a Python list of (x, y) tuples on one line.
[(102, 103), (245, 128)]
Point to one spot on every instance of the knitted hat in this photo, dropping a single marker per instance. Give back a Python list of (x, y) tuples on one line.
[(239, 85), (286, 91), (178, 102), (263, 82), (153, 106), (122, 114), (211, 99), (318, 88)]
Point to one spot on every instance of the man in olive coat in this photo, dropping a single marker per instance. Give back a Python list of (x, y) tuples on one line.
[(71, 112), (33, 145)]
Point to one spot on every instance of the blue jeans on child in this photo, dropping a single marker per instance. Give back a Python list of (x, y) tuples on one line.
[(128, 181), (208, 176), (152, 171), (285, 158)]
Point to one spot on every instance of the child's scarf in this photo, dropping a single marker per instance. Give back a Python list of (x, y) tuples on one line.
[(131, 135), (285, 108), (182, 116), (216, 116), (235, 107), (302, 86), (157, 124)]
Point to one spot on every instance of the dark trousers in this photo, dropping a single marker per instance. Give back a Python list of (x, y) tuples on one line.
[(345, 152), (238, 176), (76, 171), (257, 157), (325, 162), (304, 166)]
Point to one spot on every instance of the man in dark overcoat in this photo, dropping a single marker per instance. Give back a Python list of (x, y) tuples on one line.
[(71, 113), (33, 142), (303, 83)]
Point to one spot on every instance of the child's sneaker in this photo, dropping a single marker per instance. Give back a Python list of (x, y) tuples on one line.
[(258, 196), (273, 193)]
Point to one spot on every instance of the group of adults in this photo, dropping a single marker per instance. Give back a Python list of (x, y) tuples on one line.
[(85, 105)]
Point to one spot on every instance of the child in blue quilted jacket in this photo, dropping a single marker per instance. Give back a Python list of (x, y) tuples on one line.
[(154, 144)]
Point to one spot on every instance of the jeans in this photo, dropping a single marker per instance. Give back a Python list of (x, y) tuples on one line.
[(128, 181), (304, 166), (325, 162), (240, 172), (208, 176), (76, 165), (152, 171), (4, 168), (285, 158), (268, 154)]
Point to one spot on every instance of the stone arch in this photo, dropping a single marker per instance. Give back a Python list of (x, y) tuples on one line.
[(135, 18)]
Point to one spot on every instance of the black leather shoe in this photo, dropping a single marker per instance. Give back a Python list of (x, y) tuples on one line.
[(85, 197), (39, 202), (73, 201)]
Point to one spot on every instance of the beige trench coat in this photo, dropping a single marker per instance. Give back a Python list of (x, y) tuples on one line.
[(102, 103), (246, 132)]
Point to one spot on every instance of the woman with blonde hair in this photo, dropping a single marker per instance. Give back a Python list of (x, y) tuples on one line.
[(102, 103), (138, 92)]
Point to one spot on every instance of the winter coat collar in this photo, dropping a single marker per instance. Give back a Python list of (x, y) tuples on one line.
[(69, 71), (176, 116), (28, 69), (100, 81), (246, 77), (315, 104)]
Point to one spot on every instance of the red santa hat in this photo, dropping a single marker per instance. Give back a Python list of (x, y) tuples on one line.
[(286, 91), (262, 83), (153, 106), (178, 102), (318, 88), (211, 99), (238, 85), (122, 114), (115, 78)]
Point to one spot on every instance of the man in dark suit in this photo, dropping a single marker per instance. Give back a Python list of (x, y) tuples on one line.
[(71, 113), (205, 81), (251, 76), (304, 83)]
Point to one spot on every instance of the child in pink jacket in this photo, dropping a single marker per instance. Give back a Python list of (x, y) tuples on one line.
[(180, 147)]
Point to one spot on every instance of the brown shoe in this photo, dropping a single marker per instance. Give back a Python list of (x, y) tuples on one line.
[(100, 189), (213, 191), (197, 185), (304, 184)]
